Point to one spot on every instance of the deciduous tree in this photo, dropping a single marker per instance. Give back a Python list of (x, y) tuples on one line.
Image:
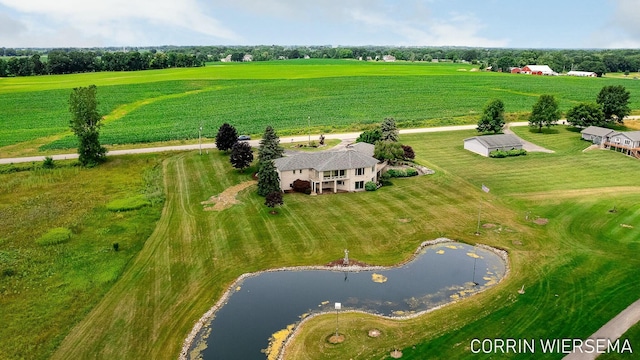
[(492, 119), (409, 154), (388, 150), (586, 114), (544, 113), (226, 137), (273, 199), (85, 123), (241, 155), (370, 136), (614, 100)]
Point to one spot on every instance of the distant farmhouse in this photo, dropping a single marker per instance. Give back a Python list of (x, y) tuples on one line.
[(485, 144), (331, 171), (626, 142), (538, 70), (388, 58), (582, 73)]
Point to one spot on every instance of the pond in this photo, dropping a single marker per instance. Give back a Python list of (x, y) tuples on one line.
[(260, 305)]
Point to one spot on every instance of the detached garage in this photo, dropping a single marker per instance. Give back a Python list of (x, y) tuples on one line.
[(484, 145)]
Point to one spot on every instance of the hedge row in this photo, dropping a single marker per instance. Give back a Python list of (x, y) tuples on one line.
[(503, 154), (402, 173)]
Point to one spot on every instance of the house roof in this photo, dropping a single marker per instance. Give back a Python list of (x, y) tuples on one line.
[(363, 147), (596, 130), (580, 73), (545, 69), (326, 160), (632, 135), (497, 141)]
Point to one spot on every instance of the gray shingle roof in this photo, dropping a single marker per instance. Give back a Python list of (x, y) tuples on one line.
[(325, 161), (498, 141), (596, 130), (633, 135)]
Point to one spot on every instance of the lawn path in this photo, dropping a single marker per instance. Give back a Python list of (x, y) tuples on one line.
[(612, 330)]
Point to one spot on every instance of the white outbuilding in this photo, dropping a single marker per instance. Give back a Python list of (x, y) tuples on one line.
[(485, 144)]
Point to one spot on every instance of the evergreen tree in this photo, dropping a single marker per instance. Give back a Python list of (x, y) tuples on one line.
[(614, 100), (270, 148), (85, 123), (544, 113), (268, 180), (492, 119), (226, 137), (389, 131), (241, 155)]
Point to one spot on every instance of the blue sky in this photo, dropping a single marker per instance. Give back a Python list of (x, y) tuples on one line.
[(486, 23)]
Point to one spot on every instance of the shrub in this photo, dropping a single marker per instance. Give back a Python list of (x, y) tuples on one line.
[(54, 236), (130, 203), (503, 154), (8, 272), (48, 163), (302, 186), (411, 172), (394, 173), (370, 186), (385, 179)]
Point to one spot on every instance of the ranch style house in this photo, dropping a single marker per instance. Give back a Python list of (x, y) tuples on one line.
[(333, 171), (485, 144), (626, 142)]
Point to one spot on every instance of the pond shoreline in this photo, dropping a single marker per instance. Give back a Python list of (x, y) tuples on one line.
[(210, 314)]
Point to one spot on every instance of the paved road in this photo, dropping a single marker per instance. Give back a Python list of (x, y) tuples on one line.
[(205, 146), (612, 330)]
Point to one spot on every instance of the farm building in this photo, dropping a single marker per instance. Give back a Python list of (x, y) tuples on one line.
[(538, 70), (515, 70), (388, 58), (582, 73), (330, 171), (485, 144)]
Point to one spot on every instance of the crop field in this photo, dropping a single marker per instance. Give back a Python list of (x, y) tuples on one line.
[(163, 105)]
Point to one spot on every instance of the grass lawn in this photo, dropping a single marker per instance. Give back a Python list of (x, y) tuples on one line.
[(171, 104)]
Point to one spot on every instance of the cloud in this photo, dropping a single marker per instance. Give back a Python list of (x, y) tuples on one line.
[(623, 28), (119, 21)]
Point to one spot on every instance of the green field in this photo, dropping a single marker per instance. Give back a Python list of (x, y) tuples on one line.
[(164, 105), (81, 299)]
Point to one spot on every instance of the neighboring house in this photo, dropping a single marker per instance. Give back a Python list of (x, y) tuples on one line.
[(247, 57), (389, 58), (333, 171), (582, 73), (596, 134), (626, 142), (226, 59), (485, 144), (538, 70)]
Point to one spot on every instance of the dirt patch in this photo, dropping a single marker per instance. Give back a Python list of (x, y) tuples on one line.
[(404, 220), (225, 199), (627, 226), (396, 354), (541, 221), (374, 333), (335, 339), (489, 226)]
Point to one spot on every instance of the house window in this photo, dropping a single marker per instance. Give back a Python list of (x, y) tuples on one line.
[(359, 185), (334, 174), (618, 140), (360, 171), (627, 142), (340, 182)]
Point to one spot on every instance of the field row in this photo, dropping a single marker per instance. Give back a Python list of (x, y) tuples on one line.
[(336, 96)]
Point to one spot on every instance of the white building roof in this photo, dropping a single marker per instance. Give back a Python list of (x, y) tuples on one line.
[(497, 141), (545, 69)]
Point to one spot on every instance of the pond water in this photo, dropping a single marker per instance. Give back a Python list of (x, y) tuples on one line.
[(266, 303)]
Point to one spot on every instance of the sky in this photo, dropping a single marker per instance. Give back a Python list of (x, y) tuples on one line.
[(475, 23)]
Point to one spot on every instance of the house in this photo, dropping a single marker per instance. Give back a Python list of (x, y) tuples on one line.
[(389, 58), (333, 171), (627, 142), (582, 73), (596, 134), (538, 70), (247, 57), (226, 59), (485, 144)]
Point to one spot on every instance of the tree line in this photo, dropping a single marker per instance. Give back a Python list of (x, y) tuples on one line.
[(78, 61), (28, 61)]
